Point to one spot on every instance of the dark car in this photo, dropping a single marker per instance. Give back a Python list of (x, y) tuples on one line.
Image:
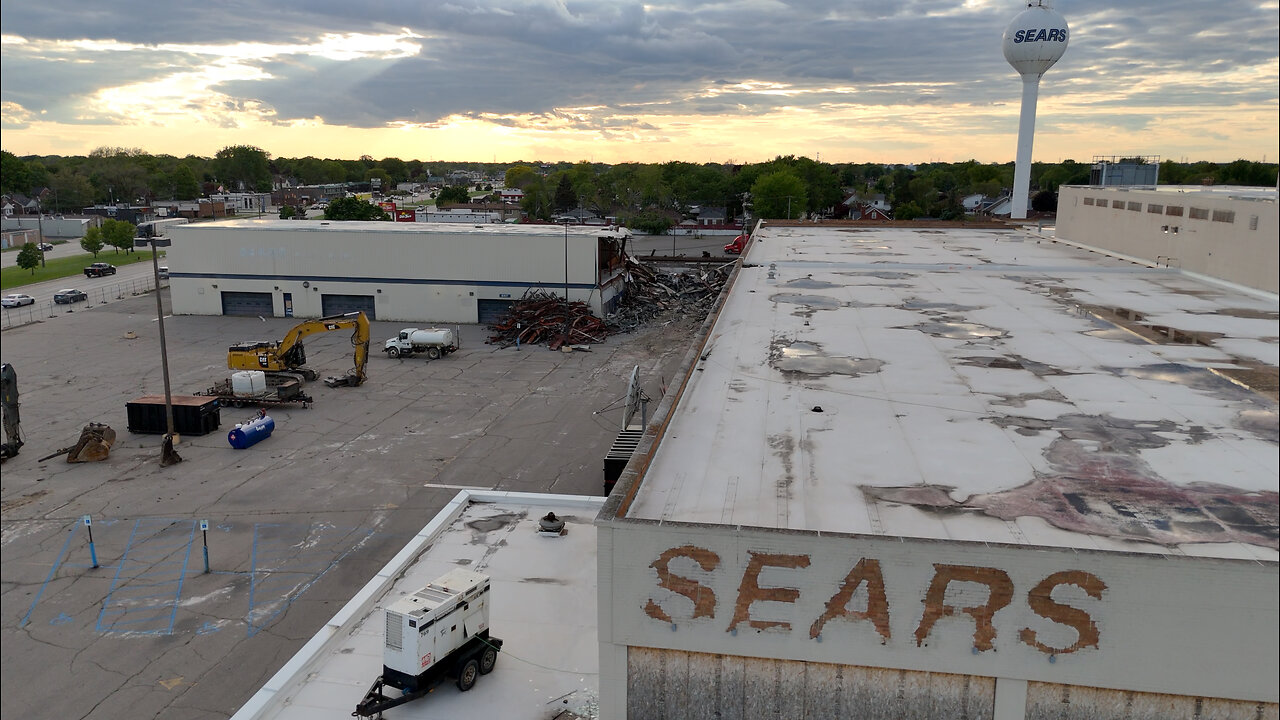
[(68, 296), (99, 269)]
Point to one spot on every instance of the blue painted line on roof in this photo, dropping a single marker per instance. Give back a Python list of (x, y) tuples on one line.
[(57, 561)]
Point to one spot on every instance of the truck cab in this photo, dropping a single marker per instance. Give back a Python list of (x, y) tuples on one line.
[(735, 247)]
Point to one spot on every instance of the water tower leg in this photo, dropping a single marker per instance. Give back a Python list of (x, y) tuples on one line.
[(1026, 137)]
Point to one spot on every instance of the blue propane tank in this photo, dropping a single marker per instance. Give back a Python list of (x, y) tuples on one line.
[(252, 432)]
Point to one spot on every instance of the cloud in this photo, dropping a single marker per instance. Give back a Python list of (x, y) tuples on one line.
[(525, 63)]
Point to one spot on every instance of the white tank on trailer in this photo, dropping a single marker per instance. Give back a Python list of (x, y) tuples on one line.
[(1033, 42), (434, 342)]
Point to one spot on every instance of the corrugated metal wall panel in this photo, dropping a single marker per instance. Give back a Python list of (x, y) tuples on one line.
[(672, 684)]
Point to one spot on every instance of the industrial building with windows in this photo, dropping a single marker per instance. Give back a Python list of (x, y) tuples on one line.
[(945, 472), (436, 272)]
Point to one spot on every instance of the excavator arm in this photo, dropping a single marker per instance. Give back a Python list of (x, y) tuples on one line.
[(360, 341), (289, 353), (12, 421)]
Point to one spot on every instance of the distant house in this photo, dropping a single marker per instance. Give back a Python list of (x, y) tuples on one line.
[(511, 194), (869, 212), (971, 203)]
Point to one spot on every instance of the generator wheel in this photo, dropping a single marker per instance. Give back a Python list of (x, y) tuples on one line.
[(468, 674), (488, 659)]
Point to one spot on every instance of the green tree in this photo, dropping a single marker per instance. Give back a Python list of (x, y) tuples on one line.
[(537, 200), (71, 191), (1045, 201), (14, 174), (118, 234), (243, 167), (779, 195), (185, 185), (565, 198), (287, 211), (395, 169), (452, 194), (92, 241), (29, 257), (348, 208), (520, 176), (907, 211)]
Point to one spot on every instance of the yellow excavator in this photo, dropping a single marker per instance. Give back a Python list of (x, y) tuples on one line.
[(288, 357)]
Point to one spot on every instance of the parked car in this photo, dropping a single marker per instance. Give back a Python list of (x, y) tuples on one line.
[(45, 247), (17, 300), (69, 295), (163, 272)]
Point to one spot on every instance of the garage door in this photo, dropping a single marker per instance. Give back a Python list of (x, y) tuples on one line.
[(343, 304), (247, 303), (492, 311)]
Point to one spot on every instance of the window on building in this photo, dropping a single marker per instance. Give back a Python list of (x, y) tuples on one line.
[(1117, 204), (1155, 209), (1102, 202), (1135, 206), (1088, 201), (1199, 213), (1175, 210), (1226, 216)]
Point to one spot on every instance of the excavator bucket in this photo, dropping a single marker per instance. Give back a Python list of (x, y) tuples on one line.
[(94, 444)]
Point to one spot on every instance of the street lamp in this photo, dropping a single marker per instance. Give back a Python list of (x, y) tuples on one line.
[(168, 456)]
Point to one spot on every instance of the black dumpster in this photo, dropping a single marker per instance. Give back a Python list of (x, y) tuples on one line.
[(192, 415)]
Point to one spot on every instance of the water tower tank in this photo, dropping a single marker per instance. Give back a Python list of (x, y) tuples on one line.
[(1035, 40)]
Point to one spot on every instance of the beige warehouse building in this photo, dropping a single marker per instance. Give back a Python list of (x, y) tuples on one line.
[(944, 473), (414, 272)]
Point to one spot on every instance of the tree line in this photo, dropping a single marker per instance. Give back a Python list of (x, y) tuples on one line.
[(645, 196)]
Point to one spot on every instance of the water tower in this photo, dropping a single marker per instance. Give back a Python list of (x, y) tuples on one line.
[(1033, 42)]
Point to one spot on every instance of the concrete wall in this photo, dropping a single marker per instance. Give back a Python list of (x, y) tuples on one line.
[(1242, 251), (415, 273), (54, 226), (1105, 620)]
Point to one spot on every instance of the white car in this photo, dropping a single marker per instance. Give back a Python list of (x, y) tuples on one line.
[(17, 300)]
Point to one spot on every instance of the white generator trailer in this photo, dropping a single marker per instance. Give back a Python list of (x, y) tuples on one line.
[(438, 633)]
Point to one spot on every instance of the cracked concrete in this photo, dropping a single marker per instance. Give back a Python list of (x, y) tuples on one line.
[(360, 459)]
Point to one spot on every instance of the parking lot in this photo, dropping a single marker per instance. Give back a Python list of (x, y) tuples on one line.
[(295, 523)]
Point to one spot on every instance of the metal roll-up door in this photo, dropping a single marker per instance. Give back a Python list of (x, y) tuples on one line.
[(247, 303), (343, 304), (492, 311)]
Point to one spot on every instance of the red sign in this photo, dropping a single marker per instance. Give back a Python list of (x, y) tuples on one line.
[(406, 215), (389, 207)]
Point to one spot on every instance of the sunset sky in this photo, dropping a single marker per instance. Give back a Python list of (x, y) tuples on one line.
[(737, 80)]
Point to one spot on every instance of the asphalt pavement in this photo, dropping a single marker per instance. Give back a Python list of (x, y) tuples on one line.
[(297, 522)]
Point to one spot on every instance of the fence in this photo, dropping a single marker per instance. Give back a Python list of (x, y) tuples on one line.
[(27, 314)]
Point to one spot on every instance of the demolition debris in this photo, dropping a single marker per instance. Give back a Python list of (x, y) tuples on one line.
[(649, 295)]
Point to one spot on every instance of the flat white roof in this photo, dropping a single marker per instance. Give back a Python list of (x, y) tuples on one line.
[(543, 592), (267, 224), (976, 385), (1242, 192)]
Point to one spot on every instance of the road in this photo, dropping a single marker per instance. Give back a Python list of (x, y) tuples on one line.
[(129, 280)]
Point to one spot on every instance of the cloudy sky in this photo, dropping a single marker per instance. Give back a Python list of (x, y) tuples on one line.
[(616, 81)]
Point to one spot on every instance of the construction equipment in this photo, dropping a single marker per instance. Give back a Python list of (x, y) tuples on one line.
[(255, 387), (288, 356), (9, 405), (94, 444), (432, 342)]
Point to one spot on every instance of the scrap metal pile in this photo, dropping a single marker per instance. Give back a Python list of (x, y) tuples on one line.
[(650, 294)]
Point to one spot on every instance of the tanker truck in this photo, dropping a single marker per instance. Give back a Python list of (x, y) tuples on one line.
[(432, 342)]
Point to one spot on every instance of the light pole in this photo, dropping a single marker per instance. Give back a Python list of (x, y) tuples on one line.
[(168, 456)]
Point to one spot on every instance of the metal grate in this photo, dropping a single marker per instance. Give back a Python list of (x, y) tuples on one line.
[(395, 631)]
